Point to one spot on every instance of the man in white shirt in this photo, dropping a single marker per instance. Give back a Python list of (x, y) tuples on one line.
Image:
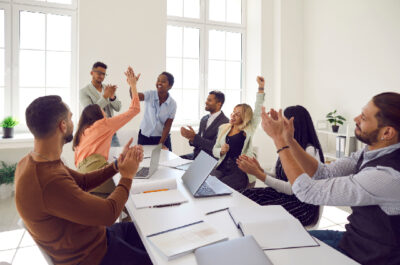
[(209, 124)]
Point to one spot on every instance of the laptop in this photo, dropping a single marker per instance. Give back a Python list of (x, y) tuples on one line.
[(239, 251), (198, 180), (147, 172)]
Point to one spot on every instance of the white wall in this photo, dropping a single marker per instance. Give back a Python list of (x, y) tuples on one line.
[(351, 52)]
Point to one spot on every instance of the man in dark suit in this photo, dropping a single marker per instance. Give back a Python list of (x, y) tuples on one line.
[(209, 124)]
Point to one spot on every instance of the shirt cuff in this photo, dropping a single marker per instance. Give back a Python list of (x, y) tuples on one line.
[(301, 183)]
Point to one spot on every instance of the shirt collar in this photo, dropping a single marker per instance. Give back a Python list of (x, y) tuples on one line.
[(370, 155), (95, 89), (156, 98), (215, 115)]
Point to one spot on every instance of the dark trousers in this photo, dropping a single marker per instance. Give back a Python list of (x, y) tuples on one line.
[(124, 246), (229, 173), (188, 156), (154, 140)]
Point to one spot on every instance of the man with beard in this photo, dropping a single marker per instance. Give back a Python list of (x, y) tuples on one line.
[(66, 221), (103, 95), (209, 124), (368, 180)]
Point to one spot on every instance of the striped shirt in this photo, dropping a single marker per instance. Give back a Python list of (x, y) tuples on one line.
[(338, 184)]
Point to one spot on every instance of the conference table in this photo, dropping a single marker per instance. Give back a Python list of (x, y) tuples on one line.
[(153, 220)]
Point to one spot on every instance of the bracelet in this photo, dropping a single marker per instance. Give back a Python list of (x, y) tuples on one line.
[(283, 148), (116, 164)]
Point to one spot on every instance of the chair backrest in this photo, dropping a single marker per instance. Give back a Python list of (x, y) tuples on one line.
[(313, 226), (46, 257)]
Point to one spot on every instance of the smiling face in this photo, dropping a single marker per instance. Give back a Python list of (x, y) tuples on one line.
[(98, 74), (162, 84), (212, 104), (367, 129), (236, 116)]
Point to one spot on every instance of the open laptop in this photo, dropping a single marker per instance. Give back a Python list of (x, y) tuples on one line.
[(199, 181), (244, 250), (147, 172)]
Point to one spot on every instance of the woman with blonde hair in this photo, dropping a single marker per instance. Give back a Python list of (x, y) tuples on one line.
[(235, 139)]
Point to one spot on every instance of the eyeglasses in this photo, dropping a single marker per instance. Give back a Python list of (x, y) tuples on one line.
[(100, 72)]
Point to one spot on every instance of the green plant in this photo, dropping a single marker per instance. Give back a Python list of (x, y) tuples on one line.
[(7, 173), (9, 122), (334, 118)]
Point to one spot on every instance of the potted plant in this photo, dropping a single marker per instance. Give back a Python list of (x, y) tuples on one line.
[(8, 125), (335, 119), (7, 179)]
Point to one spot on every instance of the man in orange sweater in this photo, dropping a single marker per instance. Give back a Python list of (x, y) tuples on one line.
[(70, 224)]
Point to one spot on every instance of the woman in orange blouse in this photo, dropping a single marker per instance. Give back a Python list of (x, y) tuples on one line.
[(92, 140)]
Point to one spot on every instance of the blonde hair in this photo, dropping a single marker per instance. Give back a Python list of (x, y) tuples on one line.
[(246, 114)]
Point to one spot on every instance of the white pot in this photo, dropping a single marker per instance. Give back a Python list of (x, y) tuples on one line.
[(6, 190)]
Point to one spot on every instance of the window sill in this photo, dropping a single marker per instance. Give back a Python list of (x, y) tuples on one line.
[(20, 140)]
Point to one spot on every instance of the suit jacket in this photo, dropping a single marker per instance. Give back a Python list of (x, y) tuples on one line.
[(89, 95), (205, 138)]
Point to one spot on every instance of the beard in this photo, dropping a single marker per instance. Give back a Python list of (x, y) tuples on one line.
[(365, 138), (68, 138)]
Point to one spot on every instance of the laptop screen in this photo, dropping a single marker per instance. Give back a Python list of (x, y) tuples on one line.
[(198, 171)]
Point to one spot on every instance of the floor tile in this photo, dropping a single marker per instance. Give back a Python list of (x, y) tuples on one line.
[(10, 239), (7, 255), (335, 227), (27, 240), (324, 223), (335, 215), (29, 255)]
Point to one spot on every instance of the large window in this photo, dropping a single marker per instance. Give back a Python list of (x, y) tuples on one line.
[(2, 62), (205, 52), (43, 53)]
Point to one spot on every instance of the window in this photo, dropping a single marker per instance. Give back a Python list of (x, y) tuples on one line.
[(204, 53), (43, 55), (2, 62)]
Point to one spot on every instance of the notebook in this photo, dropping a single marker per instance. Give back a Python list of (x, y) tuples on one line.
[(272, 227), (155, 194), (183, 240), (238, 251)]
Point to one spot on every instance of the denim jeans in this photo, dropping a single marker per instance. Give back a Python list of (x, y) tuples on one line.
[(329, 237), (153, 140), (115, 141)]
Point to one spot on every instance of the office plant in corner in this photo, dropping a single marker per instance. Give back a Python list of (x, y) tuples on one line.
[(8, 125), (335, 119), (7, 172)]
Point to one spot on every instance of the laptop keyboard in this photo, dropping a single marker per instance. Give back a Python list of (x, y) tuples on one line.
[(205, 190), (144, 172)]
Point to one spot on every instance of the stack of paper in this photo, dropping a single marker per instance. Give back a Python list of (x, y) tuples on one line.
[(153, 194), (183, 240), (272, 227), (176, 162)]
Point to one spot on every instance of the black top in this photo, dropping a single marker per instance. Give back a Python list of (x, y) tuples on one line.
[(235, 143)]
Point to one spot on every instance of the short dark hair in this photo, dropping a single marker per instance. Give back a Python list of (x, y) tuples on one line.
[(43, 115), (99, 64), (219, 96), (388, 104), (170, 78)]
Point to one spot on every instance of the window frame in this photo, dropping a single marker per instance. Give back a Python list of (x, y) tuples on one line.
[(205, 25), (15, 93), (7, 57)]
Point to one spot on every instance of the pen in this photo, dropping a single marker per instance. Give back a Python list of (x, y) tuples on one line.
[(166, 205), (154, 190), (216, 211)]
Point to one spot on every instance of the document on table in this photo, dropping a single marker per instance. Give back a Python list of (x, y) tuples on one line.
[(176, 162), (180, 241), (160, 193), (158, 199), (272, 227)]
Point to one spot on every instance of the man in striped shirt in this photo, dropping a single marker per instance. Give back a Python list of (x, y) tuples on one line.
[(368, 180)]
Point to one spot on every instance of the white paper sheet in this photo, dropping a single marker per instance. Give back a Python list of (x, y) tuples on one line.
[(160, 198), (185, 240)]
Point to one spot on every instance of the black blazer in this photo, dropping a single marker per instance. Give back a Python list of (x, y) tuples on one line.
[(205, 139)]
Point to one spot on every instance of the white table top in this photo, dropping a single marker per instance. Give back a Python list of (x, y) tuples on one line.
[(152, 220)]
